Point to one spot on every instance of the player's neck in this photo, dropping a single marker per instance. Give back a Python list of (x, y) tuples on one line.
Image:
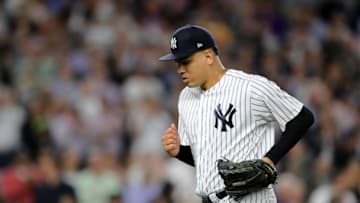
[(218, 71)]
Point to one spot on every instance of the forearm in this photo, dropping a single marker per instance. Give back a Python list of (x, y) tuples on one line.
[(295, 129), (185, 155)]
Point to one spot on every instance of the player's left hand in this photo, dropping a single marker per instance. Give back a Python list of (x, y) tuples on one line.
[(246, 177)]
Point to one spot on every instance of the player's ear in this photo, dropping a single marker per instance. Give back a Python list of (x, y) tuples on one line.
[(209, 56)]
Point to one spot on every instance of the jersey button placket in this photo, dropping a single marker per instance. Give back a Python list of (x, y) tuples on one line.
[(200, 139), (205, 142)]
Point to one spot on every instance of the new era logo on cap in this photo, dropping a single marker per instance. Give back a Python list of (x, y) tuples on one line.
[(187, 40)]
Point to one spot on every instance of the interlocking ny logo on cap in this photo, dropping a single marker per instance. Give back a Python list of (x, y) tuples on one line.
[(173, 43)]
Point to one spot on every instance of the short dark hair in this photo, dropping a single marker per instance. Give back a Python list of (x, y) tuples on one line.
[(216, 51)]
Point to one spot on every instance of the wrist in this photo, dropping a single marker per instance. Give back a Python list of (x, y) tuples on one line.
[(268, 160), (185, 155)]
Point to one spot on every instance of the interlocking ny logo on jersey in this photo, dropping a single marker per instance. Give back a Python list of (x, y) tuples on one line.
[(226, 119)]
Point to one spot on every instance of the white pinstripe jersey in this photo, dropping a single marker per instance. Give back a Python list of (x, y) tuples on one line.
[(234, 119)]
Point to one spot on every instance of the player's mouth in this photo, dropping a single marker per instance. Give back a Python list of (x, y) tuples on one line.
[(185, 80)]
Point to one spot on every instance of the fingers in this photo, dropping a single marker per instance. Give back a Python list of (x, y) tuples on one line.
[(173, 127), (172, 132), (171, 140), (170, 137)]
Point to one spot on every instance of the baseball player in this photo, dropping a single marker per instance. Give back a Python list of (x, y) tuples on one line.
[(227, 113)]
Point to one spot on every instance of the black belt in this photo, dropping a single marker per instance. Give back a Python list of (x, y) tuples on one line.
[(214, 197)]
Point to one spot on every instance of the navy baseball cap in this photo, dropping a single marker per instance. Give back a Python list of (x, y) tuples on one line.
[(187, 40)]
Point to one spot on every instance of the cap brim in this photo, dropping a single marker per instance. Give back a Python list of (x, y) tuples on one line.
[(168, 57), (171, 56)]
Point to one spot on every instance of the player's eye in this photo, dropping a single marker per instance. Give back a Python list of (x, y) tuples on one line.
[(184, 62)]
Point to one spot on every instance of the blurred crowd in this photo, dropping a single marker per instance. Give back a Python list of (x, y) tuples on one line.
[(84, 100)]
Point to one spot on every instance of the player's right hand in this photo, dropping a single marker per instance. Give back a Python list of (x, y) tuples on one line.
[(171, 140)]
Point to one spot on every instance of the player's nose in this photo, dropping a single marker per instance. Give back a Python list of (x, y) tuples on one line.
[(181, 69)]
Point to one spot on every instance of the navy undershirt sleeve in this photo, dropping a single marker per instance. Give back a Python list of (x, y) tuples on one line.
[(294, 130), (185, 155)]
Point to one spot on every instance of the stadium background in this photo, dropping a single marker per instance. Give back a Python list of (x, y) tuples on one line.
[(84, 101)]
